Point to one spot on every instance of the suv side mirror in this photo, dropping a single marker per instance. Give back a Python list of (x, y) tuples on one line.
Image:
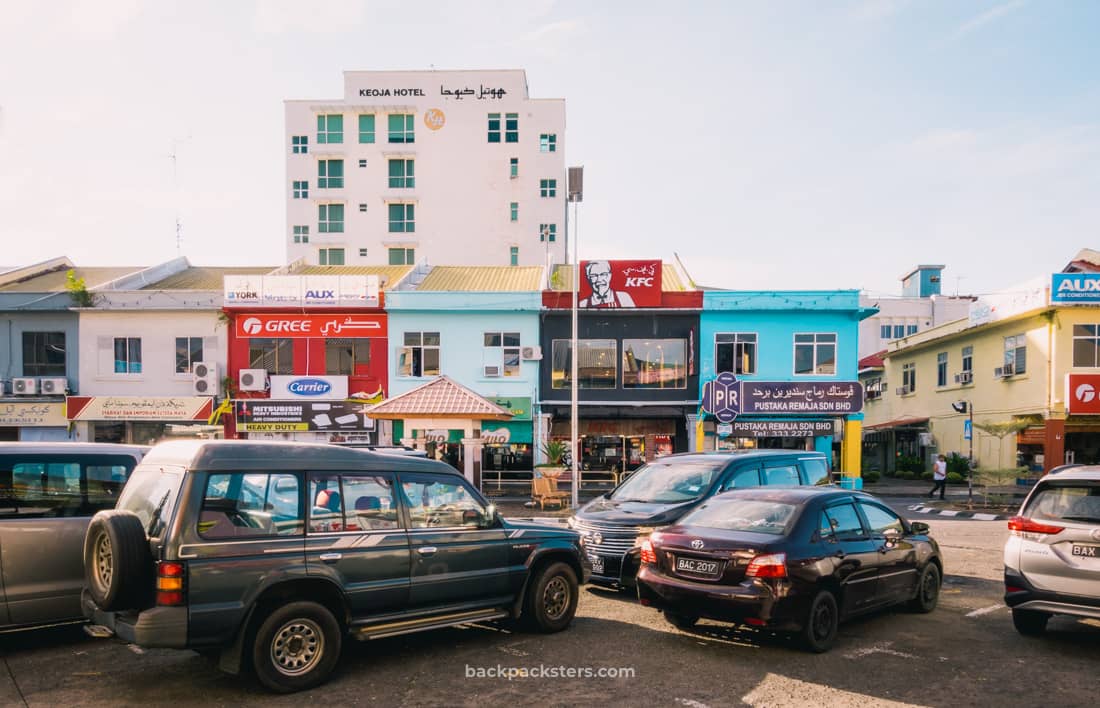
[(919, 527)]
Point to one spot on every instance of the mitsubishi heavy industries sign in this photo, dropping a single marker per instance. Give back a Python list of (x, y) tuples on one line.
[(305, 326)]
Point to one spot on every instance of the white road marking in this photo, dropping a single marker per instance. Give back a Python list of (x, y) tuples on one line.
[(985, 517), (949, 513), (984, 610), (691, 703), (880, 648), (135, 648), (775, 690)]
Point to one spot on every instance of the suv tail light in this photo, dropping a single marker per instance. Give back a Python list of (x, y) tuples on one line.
[(170, 583), (648, 555), (773, 565), (1032, 530)]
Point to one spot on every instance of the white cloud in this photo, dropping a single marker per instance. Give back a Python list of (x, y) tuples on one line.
[(990, 15)]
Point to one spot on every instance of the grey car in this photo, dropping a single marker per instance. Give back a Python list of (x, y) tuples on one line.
[(48, 494), (1052, 558)]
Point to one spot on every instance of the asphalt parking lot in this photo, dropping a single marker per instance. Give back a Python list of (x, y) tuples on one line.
[(964, 653)]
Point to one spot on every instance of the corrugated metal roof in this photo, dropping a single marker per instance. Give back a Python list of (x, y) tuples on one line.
[(204, 278), (562, 279), (441, 397), (483, 279), (54, 281), (387, 275)]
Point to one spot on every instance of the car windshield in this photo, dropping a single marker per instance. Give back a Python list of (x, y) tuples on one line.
[(151, 494), (757, 516), (1065, 502), (669, 482)]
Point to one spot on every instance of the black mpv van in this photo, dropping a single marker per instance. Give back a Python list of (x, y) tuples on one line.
[(662, 491)]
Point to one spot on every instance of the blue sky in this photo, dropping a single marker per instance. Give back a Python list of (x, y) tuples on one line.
[(769, 145)]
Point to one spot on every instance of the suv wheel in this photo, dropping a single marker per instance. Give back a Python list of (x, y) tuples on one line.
[(551, 598), (928, 590), (681, 621), (118, 566), (296, 647), (819, 633), (1029, 622)]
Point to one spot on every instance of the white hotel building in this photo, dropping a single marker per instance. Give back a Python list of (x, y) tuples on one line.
[(443, 167)]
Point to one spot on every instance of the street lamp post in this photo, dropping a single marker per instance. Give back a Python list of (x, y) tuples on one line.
[(968, 407)]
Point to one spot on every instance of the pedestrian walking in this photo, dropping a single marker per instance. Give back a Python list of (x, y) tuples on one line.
[(939, 476)]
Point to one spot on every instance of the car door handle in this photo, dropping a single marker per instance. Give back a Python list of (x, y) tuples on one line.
[(331, 557), (427, 550)]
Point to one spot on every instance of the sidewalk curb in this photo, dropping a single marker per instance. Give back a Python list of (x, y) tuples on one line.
[(957, 514)]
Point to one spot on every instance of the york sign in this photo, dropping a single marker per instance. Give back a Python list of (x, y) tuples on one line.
[(721, 397)]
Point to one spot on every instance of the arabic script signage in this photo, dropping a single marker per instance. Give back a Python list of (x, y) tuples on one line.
[(303, 290), (612, 284), (808, 398), (303, 326), (138, 408), (288, 416), (33, 415), (1075, 287)]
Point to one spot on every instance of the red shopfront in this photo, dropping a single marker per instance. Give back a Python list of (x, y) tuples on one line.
[(307, 342)]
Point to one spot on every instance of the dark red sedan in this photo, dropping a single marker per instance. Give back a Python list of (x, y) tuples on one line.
[(798, 559)]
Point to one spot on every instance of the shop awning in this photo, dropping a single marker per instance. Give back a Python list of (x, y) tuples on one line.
[(441, 397), (910, 422)]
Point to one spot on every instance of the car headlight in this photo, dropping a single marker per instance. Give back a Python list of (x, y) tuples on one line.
[(643, 533)]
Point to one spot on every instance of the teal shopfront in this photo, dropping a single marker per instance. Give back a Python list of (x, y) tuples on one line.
[(508, 446)]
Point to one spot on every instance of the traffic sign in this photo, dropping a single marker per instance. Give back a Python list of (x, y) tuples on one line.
[(968, 430), (722, 397)]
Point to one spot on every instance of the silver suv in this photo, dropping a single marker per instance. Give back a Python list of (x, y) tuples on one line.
[(1052, 557)]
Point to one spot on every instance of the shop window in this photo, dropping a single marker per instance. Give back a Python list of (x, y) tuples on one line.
[(127, 355), (345, 356), (330, 129), (941, 369), (815, 354), (401, 128), (908, 378), (501, 354), (420, 355), (43, 353), (899, 331), (597, 363), (330, 174), (968, 360), (366, 130), (1016, 354), (274, 355), (654, 363), (735, 352), (884, 332), (1086, 345), (188, 351)]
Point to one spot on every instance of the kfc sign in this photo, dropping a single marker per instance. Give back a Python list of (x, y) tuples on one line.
[(304, 326), (613, 284), (1083, 394)]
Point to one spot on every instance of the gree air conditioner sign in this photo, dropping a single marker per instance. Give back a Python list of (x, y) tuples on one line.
[(1075, 288)]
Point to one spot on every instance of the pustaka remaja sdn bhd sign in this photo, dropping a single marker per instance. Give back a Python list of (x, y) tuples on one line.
[(612, 284)]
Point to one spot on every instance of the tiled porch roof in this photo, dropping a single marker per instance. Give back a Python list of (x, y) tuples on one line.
[(441, 397)]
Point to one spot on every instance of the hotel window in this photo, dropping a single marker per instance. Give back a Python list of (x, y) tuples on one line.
[(548, 188), (420, 355), (511, 127), (548, 232), (330, 218), (908, 378), (548, 142), (815, 354), (301, 189), (402, 174), (941, 369), (127, 355), (899, 331), (330, 129), (346, 356), (299, 144), (910, 329), (330, 174), (1016, 354), (366, 130), (276, 356), (597, 363), (43, 353), (301, 234), (330, 256), (401, 128), (402, 256), (188, 351), (402, 218), (968, 360), (513, 167), (1086, 345), (514, 255), (501, 354), (884, 332), (513, 211), (494, 127), (654, 363), (735, 352)]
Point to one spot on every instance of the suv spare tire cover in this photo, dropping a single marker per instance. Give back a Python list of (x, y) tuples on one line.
[(118, 567)]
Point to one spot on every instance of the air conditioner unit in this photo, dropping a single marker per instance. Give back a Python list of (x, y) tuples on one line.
[(530, 353), (1010, 369), (54, 385), (204, 378), (252, 380), (901, 390), (1001, 372), (491, 370), (24, 386), (964, 378), (876, 387)]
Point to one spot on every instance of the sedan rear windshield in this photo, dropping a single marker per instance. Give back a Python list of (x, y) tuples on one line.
[(670, 482), (757, 516), (1065, 502)]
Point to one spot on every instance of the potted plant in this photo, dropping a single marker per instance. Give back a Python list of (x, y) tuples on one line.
[(555, 451)]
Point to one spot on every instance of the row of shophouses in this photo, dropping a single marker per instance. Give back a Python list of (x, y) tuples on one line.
[(474, 364), (471, 363)]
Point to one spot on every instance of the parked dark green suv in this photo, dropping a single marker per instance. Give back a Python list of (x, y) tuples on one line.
[(270, 554)]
